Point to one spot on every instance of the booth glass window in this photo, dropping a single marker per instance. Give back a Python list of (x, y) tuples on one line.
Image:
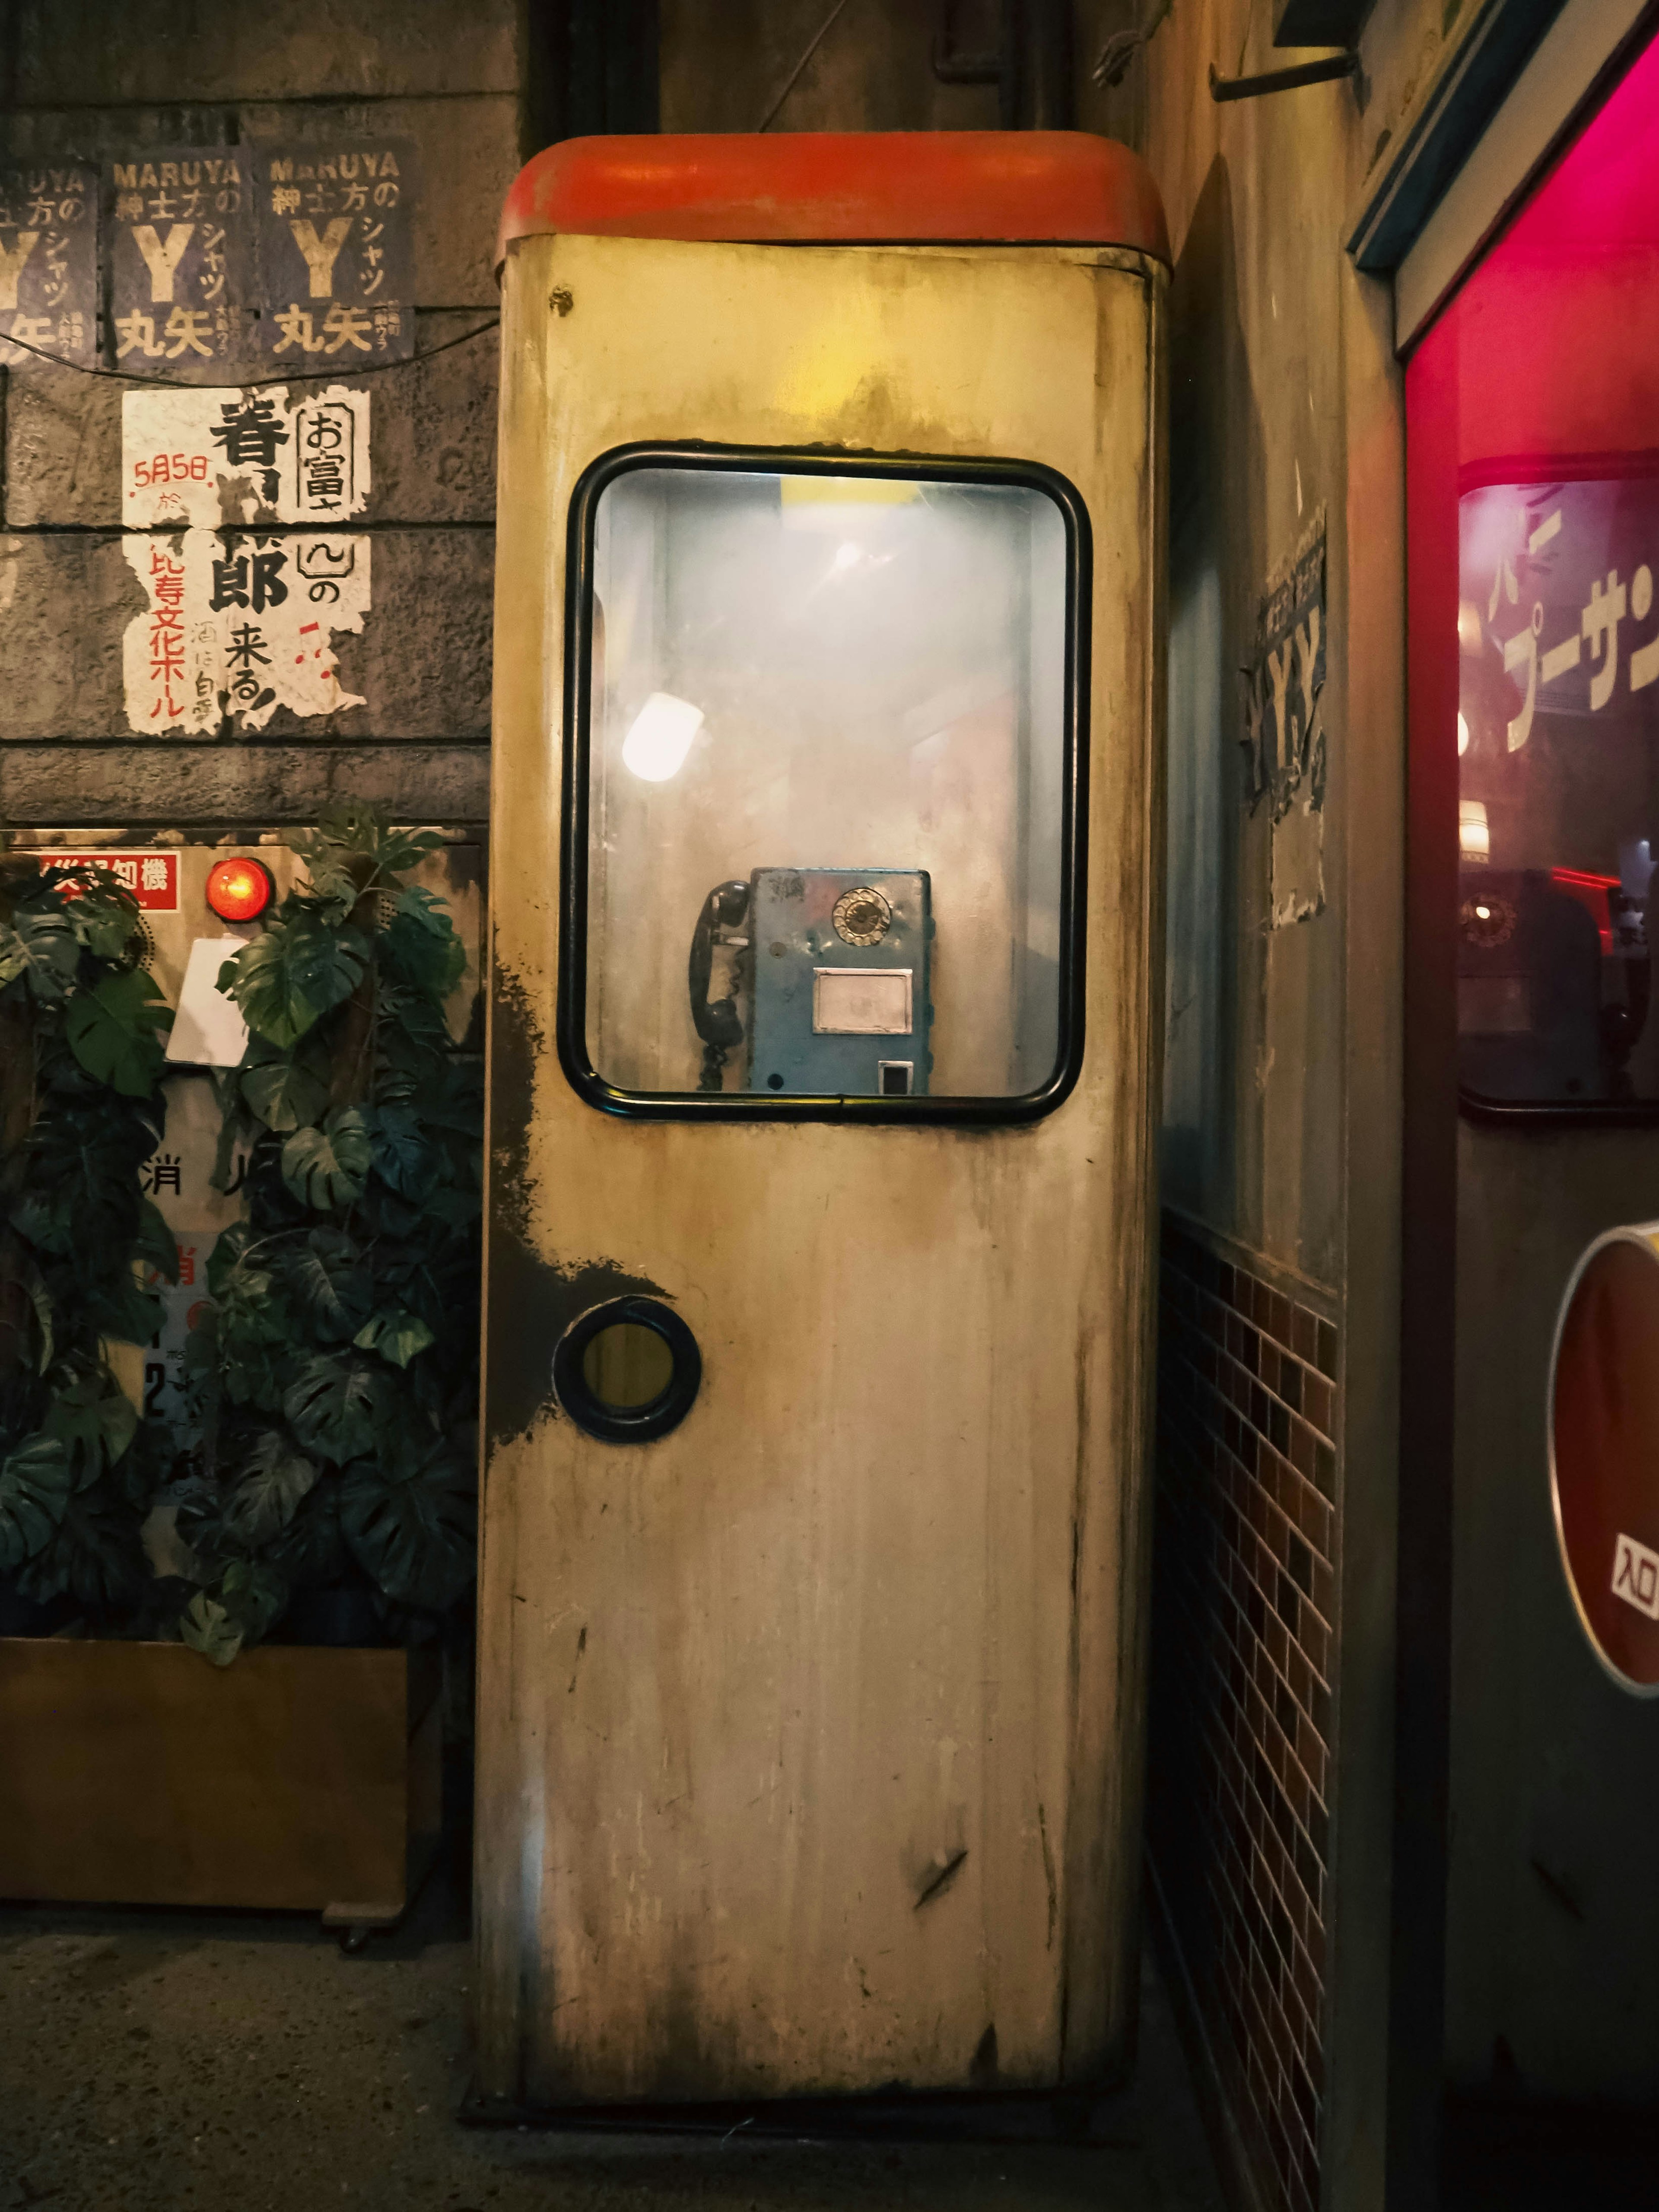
[(826, 761), (1535, 523)]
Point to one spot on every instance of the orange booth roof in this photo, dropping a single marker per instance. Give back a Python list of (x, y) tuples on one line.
[(866, 187)]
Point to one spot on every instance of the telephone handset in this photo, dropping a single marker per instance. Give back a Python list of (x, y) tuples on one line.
[(839, 1003), (717, 1021)]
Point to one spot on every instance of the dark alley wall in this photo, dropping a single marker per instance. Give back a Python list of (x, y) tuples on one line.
[(1270, 1758)]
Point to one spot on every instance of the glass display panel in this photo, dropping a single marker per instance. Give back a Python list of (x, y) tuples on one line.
[(826, 767), (1533, 466), (1557, 736)]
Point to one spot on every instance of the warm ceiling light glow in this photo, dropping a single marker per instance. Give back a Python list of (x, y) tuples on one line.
[(657, 743), (1474, 831), (240, 889), (1469, 626), (1462, 736), (847, 556)]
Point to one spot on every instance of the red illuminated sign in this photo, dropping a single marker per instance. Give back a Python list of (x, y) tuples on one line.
[(152, 877)]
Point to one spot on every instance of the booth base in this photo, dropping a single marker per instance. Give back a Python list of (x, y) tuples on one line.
[(296, 1778)]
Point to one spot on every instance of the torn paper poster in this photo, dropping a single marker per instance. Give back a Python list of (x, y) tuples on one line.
[(240, 622), (1298, 863), (217, 458), (1283, 744), (49, 261)]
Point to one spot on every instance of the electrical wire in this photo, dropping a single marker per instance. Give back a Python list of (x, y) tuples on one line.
[(255, 383), (824, 31)]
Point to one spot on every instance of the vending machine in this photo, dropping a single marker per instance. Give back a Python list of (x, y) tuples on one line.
[(824, 1037)]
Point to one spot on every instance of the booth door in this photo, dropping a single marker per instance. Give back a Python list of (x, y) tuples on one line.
[(822, 1057)]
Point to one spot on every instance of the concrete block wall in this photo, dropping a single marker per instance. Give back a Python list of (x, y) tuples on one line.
[(90, 80)]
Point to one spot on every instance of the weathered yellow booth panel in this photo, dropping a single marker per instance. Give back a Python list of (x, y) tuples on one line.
[(809, 1741)]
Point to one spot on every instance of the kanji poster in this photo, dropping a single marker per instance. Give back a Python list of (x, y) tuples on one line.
[(49, 260), (211, 458), (336, 263), (179, 241), (240, 622)]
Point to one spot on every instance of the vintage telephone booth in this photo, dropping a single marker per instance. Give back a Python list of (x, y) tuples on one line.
[(825, 1039)]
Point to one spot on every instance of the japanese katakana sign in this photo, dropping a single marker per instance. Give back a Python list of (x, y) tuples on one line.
[(1558, 589), (49, 261), (180, 242), (336, 251), (213, 458), (239, 623)]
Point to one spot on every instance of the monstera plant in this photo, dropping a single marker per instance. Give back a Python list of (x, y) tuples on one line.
[(82, 1037), (336, 1374)]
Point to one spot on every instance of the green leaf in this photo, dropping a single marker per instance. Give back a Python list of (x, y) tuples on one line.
[(285, 979), (94, 1421), (285, 1094), (104, 914), (276, 1478), (422, 945), (125, 1311), (95, 1554), (328, 1278), (328, 1167), (255, 1595), (111, 1030), (35, 1490), (402, 1158), (396, 1336), (311, 1549), (354, 849), (207, 1627), (156, 1245), (38, 1298), (338, 1404), (42, 946), (414, 1525)]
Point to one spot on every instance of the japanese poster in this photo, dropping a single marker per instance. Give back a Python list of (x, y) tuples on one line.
[(239, 623), (49, 261), (1284, 746), (337, 249), (1284, 737), (1558, 615), (179, 243), (212, 457)]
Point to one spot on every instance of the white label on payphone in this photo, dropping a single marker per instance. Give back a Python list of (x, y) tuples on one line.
[(861, 1001)]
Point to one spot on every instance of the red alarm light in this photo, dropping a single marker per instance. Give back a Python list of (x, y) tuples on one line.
[(240, 889)]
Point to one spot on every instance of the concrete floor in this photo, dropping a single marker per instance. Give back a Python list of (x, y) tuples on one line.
[(156, 2061)]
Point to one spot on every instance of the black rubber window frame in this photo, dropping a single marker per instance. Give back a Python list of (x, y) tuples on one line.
[(628, 1425), (571, 1026)]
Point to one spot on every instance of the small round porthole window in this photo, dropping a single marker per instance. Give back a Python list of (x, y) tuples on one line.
[(628, 1370)]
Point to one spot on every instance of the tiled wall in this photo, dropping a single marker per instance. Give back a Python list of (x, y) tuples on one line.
[(1243, 1649)]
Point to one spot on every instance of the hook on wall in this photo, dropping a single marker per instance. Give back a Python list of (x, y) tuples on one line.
[(1325, 72)]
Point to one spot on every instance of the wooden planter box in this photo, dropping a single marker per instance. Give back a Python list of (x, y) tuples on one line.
[(297, 1777)]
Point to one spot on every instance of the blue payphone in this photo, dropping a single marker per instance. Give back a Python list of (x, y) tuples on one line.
[(833, 962)]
